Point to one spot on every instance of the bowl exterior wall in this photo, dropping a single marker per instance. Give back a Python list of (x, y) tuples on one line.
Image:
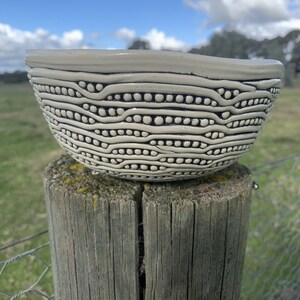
[(153, 126)]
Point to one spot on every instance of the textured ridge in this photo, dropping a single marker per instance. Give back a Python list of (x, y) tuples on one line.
[(153, 126)]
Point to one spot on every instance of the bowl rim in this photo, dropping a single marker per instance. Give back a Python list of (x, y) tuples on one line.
[(133, 61)]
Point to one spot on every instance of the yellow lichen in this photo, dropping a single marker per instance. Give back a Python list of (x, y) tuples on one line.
[(95, 201), (146, 186), (76, 167), (79, 178), (67, 180), (82, 190)]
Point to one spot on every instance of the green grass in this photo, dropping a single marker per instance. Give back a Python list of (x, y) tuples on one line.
[(27, 147), (273, 245)]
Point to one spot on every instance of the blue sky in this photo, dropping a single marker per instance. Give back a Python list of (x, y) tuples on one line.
[(101, 19), (174, 24)]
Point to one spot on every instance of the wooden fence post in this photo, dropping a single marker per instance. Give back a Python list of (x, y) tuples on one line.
[(116, 239)]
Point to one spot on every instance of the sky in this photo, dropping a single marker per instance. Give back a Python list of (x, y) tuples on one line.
[(173, 24)]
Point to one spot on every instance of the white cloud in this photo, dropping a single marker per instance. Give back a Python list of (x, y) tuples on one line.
[(70, 38), (255, 18), (232, 11), (14, 42), (158, 40), (125, 34), (261, 31)]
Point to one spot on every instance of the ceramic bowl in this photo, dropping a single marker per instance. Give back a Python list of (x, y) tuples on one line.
[(153, 115)]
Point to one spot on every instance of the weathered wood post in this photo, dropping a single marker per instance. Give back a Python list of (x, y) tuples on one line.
[(115, 239)]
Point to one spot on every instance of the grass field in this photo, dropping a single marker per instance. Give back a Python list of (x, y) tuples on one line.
[(27, 147)]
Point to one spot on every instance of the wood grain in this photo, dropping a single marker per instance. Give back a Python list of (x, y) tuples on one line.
[(195, 236), (93, 233), (186, 239)]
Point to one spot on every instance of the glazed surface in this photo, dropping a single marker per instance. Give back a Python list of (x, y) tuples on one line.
[(153, 126), (136, 61)]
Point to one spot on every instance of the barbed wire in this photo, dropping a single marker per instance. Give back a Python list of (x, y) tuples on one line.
[(272, 263)]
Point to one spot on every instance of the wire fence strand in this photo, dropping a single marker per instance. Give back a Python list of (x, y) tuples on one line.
[(33, 253), (272, 263), (28, 238)]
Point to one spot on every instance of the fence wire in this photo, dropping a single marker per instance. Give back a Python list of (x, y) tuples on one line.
[(33, 262), (272, 262)]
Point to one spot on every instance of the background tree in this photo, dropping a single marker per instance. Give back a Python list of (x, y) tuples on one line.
[(141, 44), (227, 44), (14, 77), (295, 59)]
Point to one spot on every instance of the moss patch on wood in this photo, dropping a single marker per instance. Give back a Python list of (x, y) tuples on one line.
[(76, 178)]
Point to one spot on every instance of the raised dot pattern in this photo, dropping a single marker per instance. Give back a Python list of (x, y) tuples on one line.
[(163, 136)]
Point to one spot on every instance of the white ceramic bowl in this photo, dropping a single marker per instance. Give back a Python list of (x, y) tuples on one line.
[(153, 115)]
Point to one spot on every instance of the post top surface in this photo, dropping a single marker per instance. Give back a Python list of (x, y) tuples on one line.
[(76, 179)]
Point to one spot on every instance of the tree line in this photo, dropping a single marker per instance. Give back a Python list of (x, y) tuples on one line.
[(14, 77)]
